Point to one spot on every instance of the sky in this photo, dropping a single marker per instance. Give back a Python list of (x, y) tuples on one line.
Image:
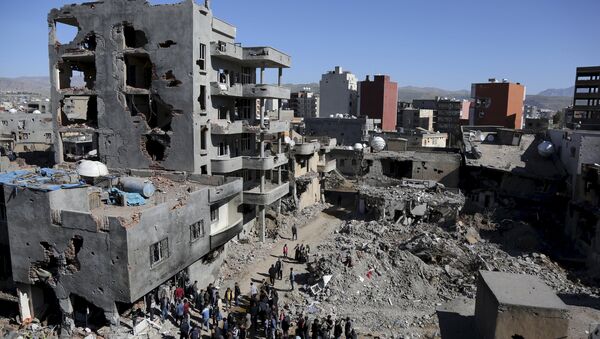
[(435, 43)]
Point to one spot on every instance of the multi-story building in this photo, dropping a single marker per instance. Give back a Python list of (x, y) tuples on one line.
[(304, 103), (410, 118), (498, 103), (188, 98), (379, 100), (171, 100), (338, 93), (447, 114), (585, 113), (26, 132)]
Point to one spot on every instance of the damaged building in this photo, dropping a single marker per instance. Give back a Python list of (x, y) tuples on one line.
[(104, 242), (159, 96), (504, 167), (140, 106), (28, 136)]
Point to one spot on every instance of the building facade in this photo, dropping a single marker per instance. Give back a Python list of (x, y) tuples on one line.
[(585, 113), (498, 103), (338, 93), (305, 104), (379, 100), (347, 131), (410, 118)]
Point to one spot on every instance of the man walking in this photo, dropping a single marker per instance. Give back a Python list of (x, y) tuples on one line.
[(294, 232), (292, 277), (272, 274), (279, 268)]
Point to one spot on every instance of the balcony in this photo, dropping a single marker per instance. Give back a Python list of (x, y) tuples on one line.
[(226, 164), (272, 193), (326, 166), (220, 89), (220, 187), (226, 51), (222, 127), (267, 57), (223, 236), (266, 163), (257, 91), (271, 127), (307, 148)]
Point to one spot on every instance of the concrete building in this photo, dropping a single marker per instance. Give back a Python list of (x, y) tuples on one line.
[(410, 118), (338, 93), (415, 141), (518, 306), (498, 103), (168, 100), (578, 152), (99, 246), (447, 115), (585, 113), (146, 107), (26, 132), (379, 99), (536, 125), (305, 104), (347, 131)]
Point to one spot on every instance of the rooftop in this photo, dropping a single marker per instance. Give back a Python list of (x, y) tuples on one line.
[(521, 290)]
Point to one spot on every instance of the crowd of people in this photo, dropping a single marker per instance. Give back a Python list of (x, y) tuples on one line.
[(230, 314)]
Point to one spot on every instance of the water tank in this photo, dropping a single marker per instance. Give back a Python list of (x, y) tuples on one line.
[(545, 149), (37, 112), (92, 169), (142, 186), (358, 146), (377, 144), (12, 111)]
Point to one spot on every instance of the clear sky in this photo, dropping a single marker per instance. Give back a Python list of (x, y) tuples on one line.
[(438, 43)]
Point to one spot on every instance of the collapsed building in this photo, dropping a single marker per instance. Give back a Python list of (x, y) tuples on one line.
[(180, 108)]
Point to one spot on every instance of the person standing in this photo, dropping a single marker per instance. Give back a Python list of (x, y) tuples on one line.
[(279, 267), (272, 274), (205, 317), (338, 330), (237, 293), (285, 250), (184, 330), (228, 297), (253, 290), (294, 232), (292, 277), (348, 328)]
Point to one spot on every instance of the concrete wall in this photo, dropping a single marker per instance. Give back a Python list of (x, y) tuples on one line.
[(347, 132), (311, 195)]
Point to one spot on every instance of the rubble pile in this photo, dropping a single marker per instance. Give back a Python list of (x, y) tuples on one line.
[(397, 274)]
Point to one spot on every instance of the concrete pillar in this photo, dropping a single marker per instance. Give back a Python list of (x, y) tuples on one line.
[(279, 76), (68, 324), (279, 145), (262, 223), (262, 113), (279, 206), (262, 75), (112, 315), (279, 175)]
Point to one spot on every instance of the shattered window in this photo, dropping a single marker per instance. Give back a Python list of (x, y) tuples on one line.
[(197, 230), (159, 251)]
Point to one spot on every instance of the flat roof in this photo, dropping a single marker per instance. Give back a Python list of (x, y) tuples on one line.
[(521, 290)]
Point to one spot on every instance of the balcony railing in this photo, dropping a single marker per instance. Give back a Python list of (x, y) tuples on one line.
[(221, 89), (271, 193), (226, 50), (265, 91), (266, 57), (226, 127)]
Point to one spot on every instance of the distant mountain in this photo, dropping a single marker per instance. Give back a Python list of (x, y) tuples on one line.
[(558, 92), (410, 93), (554, 103), (39, 85)]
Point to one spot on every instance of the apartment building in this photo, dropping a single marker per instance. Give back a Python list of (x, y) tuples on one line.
[(339, 93), (498, 103), (305, 104), (585, 113), (379, 100)]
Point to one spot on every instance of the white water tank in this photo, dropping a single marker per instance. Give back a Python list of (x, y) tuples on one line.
[(377, 144), (92, 169), (545, 149), (37, 112), (12, 111), (358, 146)]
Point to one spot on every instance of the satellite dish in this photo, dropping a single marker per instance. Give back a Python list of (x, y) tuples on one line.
[(545, 149), (377, 144), (92, 169), (358, 146), (37, 112)]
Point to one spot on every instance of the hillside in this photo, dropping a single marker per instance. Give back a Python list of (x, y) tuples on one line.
[(554, 103), (39, 85), (558, 92)]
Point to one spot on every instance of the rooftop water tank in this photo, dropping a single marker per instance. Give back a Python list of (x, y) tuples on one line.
[(142, 186), (37, 112), (92, 169), (377, 144), (545, 149), (12, 111), (358, 146)]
